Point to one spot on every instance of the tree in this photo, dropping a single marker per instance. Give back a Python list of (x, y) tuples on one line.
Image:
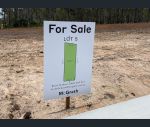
[(26, 17)]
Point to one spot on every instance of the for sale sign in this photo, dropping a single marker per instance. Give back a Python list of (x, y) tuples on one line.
[(68, 52)]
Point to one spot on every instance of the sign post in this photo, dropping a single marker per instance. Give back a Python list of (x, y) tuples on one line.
[(67, 102), (68, 53)]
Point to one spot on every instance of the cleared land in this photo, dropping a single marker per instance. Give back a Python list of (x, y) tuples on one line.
[(121, 71)]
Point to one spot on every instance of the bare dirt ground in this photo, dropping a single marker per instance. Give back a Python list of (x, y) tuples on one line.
[(121, 71)]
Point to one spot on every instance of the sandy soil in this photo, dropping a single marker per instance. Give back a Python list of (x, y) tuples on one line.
[(121, 71)]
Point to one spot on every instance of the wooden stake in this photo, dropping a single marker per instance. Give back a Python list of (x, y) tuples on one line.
[(67, 102)]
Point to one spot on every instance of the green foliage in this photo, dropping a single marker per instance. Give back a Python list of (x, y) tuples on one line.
[(21, 23), (27, 17)]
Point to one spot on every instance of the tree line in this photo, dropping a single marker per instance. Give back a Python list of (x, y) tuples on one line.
[(26, 17)]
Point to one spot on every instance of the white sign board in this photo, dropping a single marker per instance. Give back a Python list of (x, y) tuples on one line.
[(68, 52)]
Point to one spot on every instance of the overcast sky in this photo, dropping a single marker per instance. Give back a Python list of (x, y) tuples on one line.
[(0, 11)]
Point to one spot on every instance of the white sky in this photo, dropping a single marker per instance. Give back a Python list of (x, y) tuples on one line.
[(0, 11)]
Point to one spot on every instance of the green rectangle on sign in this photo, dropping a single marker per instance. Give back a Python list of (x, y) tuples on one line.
[(70, 61)]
